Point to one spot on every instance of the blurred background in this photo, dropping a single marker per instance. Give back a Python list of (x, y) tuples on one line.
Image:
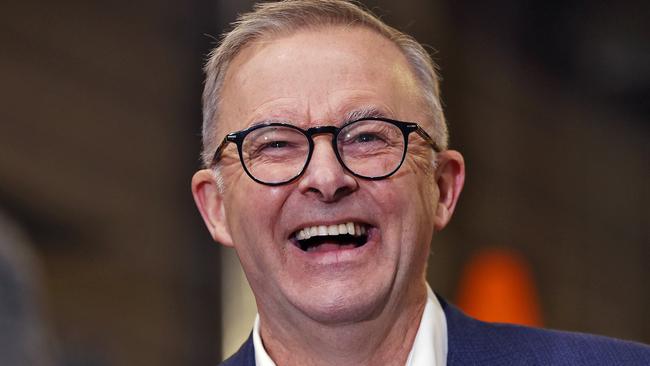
[(105, 261)]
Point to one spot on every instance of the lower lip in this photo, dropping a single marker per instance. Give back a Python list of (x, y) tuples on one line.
[(332, 254), (330, 248)]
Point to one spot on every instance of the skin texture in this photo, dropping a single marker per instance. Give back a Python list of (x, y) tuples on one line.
[(354, 306)]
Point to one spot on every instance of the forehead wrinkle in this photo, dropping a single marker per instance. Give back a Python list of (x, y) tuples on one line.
[(303, 109), (281, 114)]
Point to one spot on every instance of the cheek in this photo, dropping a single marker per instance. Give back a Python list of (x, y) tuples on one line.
[(251, 212), (424, 188), (419, 198), (251, 202), (409, 221), (410, 192), (420, 158)]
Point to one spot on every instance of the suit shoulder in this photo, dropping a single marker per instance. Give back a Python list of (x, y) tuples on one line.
[(475, 342), (551, 347), (245, 356)]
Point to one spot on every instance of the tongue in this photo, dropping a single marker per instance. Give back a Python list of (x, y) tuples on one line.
[(329, 247)]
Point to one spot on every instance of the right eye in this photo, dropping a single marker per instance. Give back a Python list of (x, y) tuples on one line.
[(272, 148), (275, 144)]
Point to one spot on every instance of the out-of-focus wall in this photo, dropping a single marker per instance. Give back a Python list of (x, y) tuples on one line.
[(548, 102), (98, 139)]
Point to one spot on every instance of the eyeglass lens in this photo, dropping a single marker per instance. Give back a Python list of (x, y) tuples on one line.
[(275, 154), (371, 148)]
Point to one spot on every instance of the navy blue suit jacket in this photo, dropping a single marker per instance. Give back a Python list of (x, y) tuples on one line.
[(473, 342)]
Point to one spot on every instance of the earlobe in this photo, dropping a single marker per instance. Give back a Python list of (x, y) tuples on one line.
[(450, 177), (209, 201)]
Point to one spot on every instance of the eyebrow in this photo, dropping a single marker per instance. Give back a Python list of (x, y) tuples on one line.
[(364, 112), (268, 121)]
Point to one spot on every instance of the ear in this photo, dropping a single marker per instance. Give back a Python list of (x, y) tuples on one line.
[(209, 201), (450, 177)]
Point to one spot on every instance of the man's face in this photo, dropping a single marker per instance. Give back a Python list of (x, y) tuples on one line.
[(313, 78)]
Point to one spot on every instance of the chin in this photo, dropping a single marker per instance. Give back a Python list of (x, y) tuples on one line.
[(340, 305)]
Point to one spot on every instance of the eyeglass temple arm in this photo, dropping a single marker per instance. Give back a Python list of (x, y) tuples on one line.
[(217, 154), (420, 131)]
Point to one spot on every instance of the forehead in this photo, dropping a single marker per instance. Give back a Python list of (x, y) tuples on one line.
[(315, 76)]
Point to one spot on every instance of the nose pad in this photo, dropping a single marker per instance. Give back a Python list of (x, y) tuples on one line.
[(325, 177)]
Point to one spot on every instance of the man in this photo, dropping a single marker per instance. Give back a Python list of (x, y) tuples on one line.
[(327, 170)]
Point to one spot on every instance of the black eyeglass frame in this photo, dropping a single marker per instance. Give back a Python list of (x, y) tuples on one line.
[(238, 138)]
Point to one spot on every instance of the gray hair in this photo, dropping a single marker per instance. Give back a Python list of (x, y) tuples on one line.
[(286, 17)]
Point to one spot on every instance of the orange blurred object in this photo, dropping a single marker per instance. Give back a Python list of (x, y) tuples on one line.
[(497, 286)]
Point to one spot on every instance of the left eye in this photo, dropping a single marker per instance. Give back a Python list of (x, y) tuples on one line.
[(277, 144), (366, 137)]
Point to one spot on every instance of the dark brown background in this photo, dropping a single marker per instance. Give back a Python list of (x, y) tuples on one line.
[(99, 135)]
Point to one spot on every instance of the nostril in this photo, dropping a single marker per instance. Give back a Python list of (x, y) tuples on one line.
[(325, 195), (341, 192)]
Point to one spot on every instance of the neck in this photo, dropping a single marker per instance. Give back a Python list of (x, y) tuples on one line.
[(385, 339)]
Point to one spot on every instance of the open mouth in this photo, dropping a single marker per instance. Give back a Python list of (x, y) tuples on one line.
[(322, 238)]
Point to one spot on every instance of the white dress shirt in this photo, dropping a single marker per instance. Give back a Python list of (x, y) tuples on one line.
[(429, 347)]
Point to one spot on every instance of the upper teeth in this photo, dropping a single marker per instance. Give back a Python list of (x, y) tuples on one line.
[(323, 230)]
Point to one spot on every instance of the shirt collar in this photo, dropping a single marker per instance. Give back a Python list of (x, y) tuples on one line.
[(429, 347), (261, 357)]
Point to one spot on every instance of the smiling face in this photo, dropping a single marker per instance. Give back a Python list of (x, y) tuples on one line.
[(294, 240)]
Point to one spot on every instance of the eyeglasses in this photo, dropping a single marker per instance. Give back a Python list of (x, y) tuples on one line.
[(278, 153)]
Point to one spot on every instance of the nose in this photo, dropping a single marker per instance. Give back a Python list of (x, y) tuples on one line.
[(325, 178)]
